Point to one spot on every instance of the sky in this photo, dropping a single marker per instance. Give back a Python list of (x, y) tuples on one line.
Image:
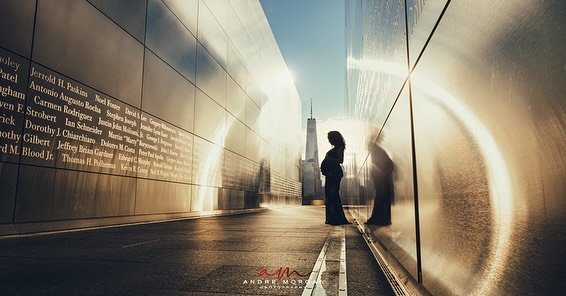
[(310, 35)]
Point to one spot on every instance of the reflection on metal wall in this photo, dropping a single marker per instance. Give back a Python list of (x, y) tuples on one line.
[(488, 98), (111, 111)]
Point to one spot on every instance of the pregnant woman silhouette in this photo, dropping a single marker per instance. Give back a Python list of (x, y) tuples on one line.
[(332, 170)]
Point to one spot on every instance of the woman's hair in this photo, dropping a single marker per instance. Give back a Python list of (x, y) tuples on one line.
[(335, 138)]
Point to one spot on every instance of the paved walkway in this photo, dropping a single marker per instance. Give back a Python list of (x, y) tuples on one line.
[(270, 252)]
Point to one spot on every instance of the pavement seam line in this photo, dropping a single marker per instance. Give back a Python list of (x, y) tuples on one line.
[(309, 288), (316, 274), (140, 243), (343, 283)]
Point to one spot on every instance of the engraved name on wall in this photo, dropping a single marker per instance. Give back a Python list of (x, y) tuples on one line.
[(50, 120), (13, 81)]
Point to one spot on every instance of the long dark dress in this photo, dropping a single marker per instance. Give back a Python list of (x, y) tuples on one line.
[(334, 211)]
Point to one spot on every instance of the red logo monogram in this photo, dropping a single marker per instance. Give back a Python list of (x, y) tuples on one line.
[(281, 272)]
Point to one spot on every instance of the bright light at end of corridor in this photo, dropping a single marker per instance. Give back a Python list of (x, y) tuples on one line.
[(275, 82), (286, 78)]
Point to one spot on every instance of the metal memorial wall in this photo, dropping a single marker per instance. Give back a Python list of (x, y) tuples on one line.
[(458, 173), (123, 111)]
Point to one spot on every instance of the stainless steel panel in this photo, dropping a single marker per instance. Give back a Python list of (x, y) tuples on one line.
[(16, 25), (390, 183), (211, 78), (489, 128), (235, 135), (35, 194), (251, 199), (48, 194), (232, 199), (235, 64), (210, 33), (88, 195), (252, 115), (264, 176), (455, 212), (235, 99), (254, 85), (489, 91), (75, 38), (264, 154), (186, 11), (162, 197), (210, 119), (129, 14), (8, 179), (219, 8), (170, 39), (421, 18), (252, 145), (239, 39), (250, 173), (377, 67), (208, 161), (167, 94), (233, 172), (205, 198), (264, 123)]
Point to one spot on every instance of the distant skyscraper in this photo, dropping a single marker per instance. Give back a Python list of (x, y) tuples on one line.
[(311, 153), (312, 183)]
